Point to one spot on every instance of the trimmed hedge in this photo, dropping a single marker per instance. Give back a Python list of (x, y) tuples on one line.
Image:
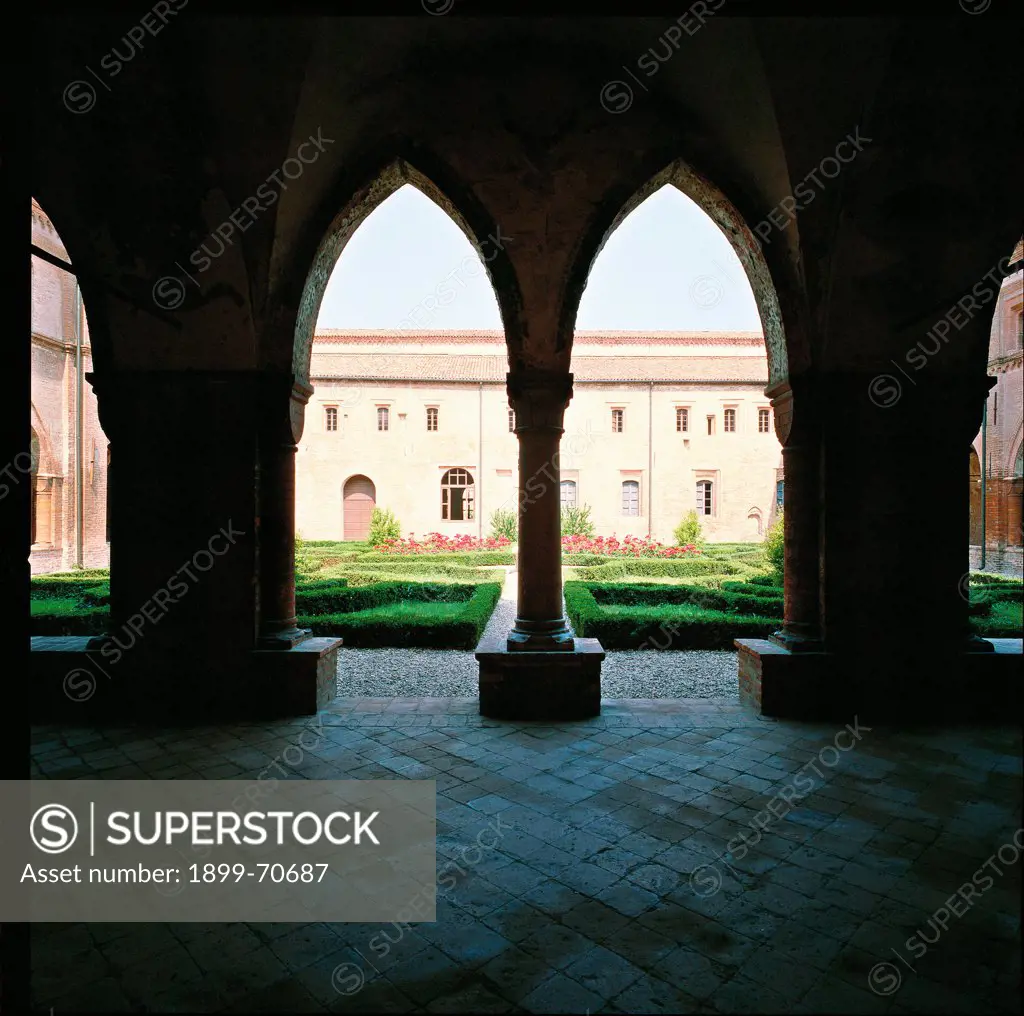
[(752, 588), (337, 597), (60, 616), (451, 624), (636, 594), (1004, 621), (654, 567), (674, 626)]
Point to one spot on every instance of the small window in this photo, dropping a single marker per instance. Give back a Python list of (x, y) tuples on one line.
[(630, 497), (511, 421), (330, 418), (618, 421), (705, 502), (458, 496), (383, 418), (764, 421), (567, 492), (711, 425), (779, 491), (729, 421), (682, 420), (431, 417)]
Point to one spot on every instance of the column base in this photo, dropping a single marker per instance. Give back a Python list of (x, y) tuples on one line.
[(289, 638), (795, 642), (916, 686), (73, 680), (541, 636), (543, 685)]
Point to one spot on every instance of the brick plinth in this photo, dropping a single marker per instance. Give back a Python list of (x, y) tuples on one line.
[(73, 682), (968, 687), (542, 685)]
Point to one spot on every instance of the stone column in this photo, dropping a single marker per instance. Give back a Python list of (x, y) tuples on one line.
[(798, 429), (539, 400), (282, 415)]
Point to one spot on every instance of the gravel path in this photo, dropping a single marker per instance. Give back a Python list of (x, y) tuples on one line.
[(453, 673)]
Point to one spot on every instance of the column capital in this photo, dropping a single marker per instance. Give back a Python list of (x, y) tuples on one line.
[(539, 399), (274, 390)]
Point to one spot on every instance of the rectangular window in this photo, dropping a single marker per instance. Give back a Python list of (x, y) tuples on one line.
[(779, 493), (729, 421), (705, 504), (431, 417), (618, 420), (764, 421), (511, 421), (630, 497), (682, 419), (568, 493), (383, 418), (330, 418), (711, 425)]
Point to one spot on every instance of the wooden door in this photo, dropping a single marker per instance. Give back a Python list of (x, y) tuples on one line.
[(360, 498)]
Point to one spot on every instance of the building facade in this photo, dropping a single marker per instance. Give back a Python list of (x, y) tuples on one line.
[(997, 455), (70, 456), (420, 423)]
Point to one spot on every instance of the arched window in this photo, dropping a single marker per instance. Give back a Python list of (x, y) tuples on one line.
[(458, 500), (567, 491), (754, 520), (630, 497)]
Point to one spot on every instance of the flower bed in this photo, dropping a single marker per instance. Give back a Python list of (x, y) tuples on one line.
[(631, 546), (438, 543)]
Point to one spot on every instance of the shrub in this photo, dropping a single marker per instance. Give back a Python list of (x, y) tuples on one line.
[(774, 544), (383, 527), (576, 520), (505, 525), (689, 531)]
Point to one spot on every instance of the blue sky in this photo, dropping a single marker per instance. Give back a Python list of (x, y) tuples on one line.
[(667, 267)]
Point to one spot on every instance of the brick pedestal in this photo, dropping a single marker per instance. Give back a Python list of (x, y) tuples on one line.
[(72, 682), (918, 686), (523, 685)]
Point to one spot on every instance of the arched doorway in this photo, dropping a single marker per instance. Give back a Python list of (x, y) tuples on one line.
[(360, 496)]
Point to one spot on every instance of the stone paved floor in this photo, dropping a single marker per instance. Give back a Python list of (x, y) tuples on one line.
[(606, 890)]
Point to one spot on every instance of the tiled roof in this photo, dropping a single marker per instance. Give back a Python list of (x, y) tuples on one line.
[(338, 336), (449, 367), (1018, 252)]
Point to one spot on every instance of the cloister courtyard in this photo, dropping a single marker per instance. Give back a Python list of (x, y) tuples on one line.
[(605, 432)]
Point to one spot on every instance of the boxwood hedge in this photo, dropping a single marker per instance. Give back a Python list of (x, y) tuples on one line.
[(445, 623)]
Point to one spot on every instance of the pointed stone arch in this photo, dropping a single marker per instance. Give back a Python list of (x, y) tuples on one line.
[(432, 178), (714, 203)]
